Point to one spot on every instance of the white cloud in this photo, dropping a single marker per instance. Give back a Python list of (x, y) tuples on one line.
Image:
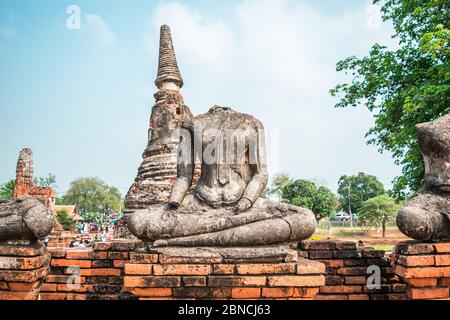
[(276, 59), (373, 17), (100, 29)]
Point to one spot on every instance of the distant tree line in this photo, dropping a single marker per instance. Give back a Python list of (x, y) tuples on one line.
[(362, 195)]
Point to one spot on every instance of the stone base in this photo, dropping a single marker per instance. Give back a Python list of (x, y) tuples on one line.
[(23, 268), (271, 272), (347, 271), (88, 274), (425, 268)]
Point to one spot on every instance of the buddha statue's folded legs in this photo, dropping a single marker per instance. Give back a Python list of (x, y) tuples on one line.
[(195, 224), (426, 216), (26, 218)]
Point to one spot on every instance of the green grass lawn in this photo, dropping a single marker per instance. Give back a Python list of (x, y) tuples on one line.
[(385, 247)]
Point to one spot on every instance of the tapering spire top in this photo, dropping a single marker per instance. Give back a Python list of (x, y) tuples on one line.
[(167, 68)]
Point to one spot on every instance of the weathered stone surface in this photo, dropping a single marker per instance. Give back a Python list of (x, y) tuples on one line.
[(204, 255), (32, 249), (425, 216), (158, 170), (21, 276), (25, 218), (224, 207)]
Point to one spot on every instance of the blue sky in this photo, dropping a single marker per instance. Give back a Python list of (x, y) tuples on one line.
[(81, 99)]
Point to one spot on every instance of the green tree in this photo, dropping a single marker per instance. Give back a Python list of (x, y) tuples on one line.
[(403, 87), (279, 180), (94, 217), (305, 193), (93, 195), (46, 182), (375, 212), (354, 190), (7, 190), (65, 219)]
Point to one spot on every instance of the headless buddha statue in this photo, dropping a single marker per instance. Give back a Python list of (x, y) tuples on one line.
[(426, 215), (225, 207)]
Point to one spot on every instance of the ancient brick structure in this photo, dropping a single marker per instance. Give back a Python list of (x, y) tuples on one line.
[(424, 267), (158, 170), (25, 184), (123, 270), (23, 268), (237, 273), (88, 274), (347, 271)]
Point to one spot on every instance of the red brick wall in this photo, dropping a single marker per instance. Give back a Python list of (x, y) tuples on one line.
[(101, 272), (425, 267), (347, 271), (23, 268), (158, 276)]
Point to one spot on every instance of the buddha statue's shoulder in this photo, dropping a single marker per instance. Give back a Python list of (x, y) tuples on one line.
[(219, 113)]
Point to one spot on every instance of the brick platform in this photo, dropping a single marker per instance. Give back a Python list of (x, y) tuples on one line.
[(347, 271), (88, 274), (222, 273), (425, 267), (23, 268)]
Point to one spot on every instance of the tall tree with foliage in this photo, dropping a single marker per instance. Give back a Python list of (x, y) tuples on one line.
[(375, 212), (403, 87), (354, 190), (95, 217), (305, 193), (93, 195), (7, 190), (65, 219), (46, 182), (279, 180)]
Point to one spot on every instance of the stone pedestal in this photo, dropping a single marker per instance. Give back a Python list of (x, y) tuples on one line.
[(425, 268), (24, 265), (222, 273)]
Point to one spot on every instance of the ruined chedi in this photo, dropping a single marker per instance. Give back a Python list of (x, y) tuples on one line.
[(24, 183), (157, 172)]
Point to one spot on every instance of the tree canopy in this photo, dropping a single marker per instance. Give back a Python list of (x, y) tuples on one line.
[(403, 87), (93, 195), (279, 180), (46, 182), (354, 190), (7, 190), (305, 193), (375, 212), (65, 219)]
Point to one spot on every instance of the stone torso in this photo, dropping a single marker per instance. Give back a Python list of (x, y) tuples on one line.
[(226, 138)]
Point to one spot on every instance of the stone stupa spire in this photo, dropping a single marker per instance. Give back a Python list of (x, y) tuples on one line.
[(158, 170), (168, 71)]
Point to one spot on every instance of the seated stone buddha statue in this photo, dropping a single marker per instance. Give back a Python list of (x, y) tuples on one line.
[(224, 207)]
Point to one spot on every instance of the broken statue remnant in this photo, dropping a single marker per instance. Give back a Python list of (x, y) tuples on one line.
[(29, 216), (426, 216), (224, 207), (25, 218)]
